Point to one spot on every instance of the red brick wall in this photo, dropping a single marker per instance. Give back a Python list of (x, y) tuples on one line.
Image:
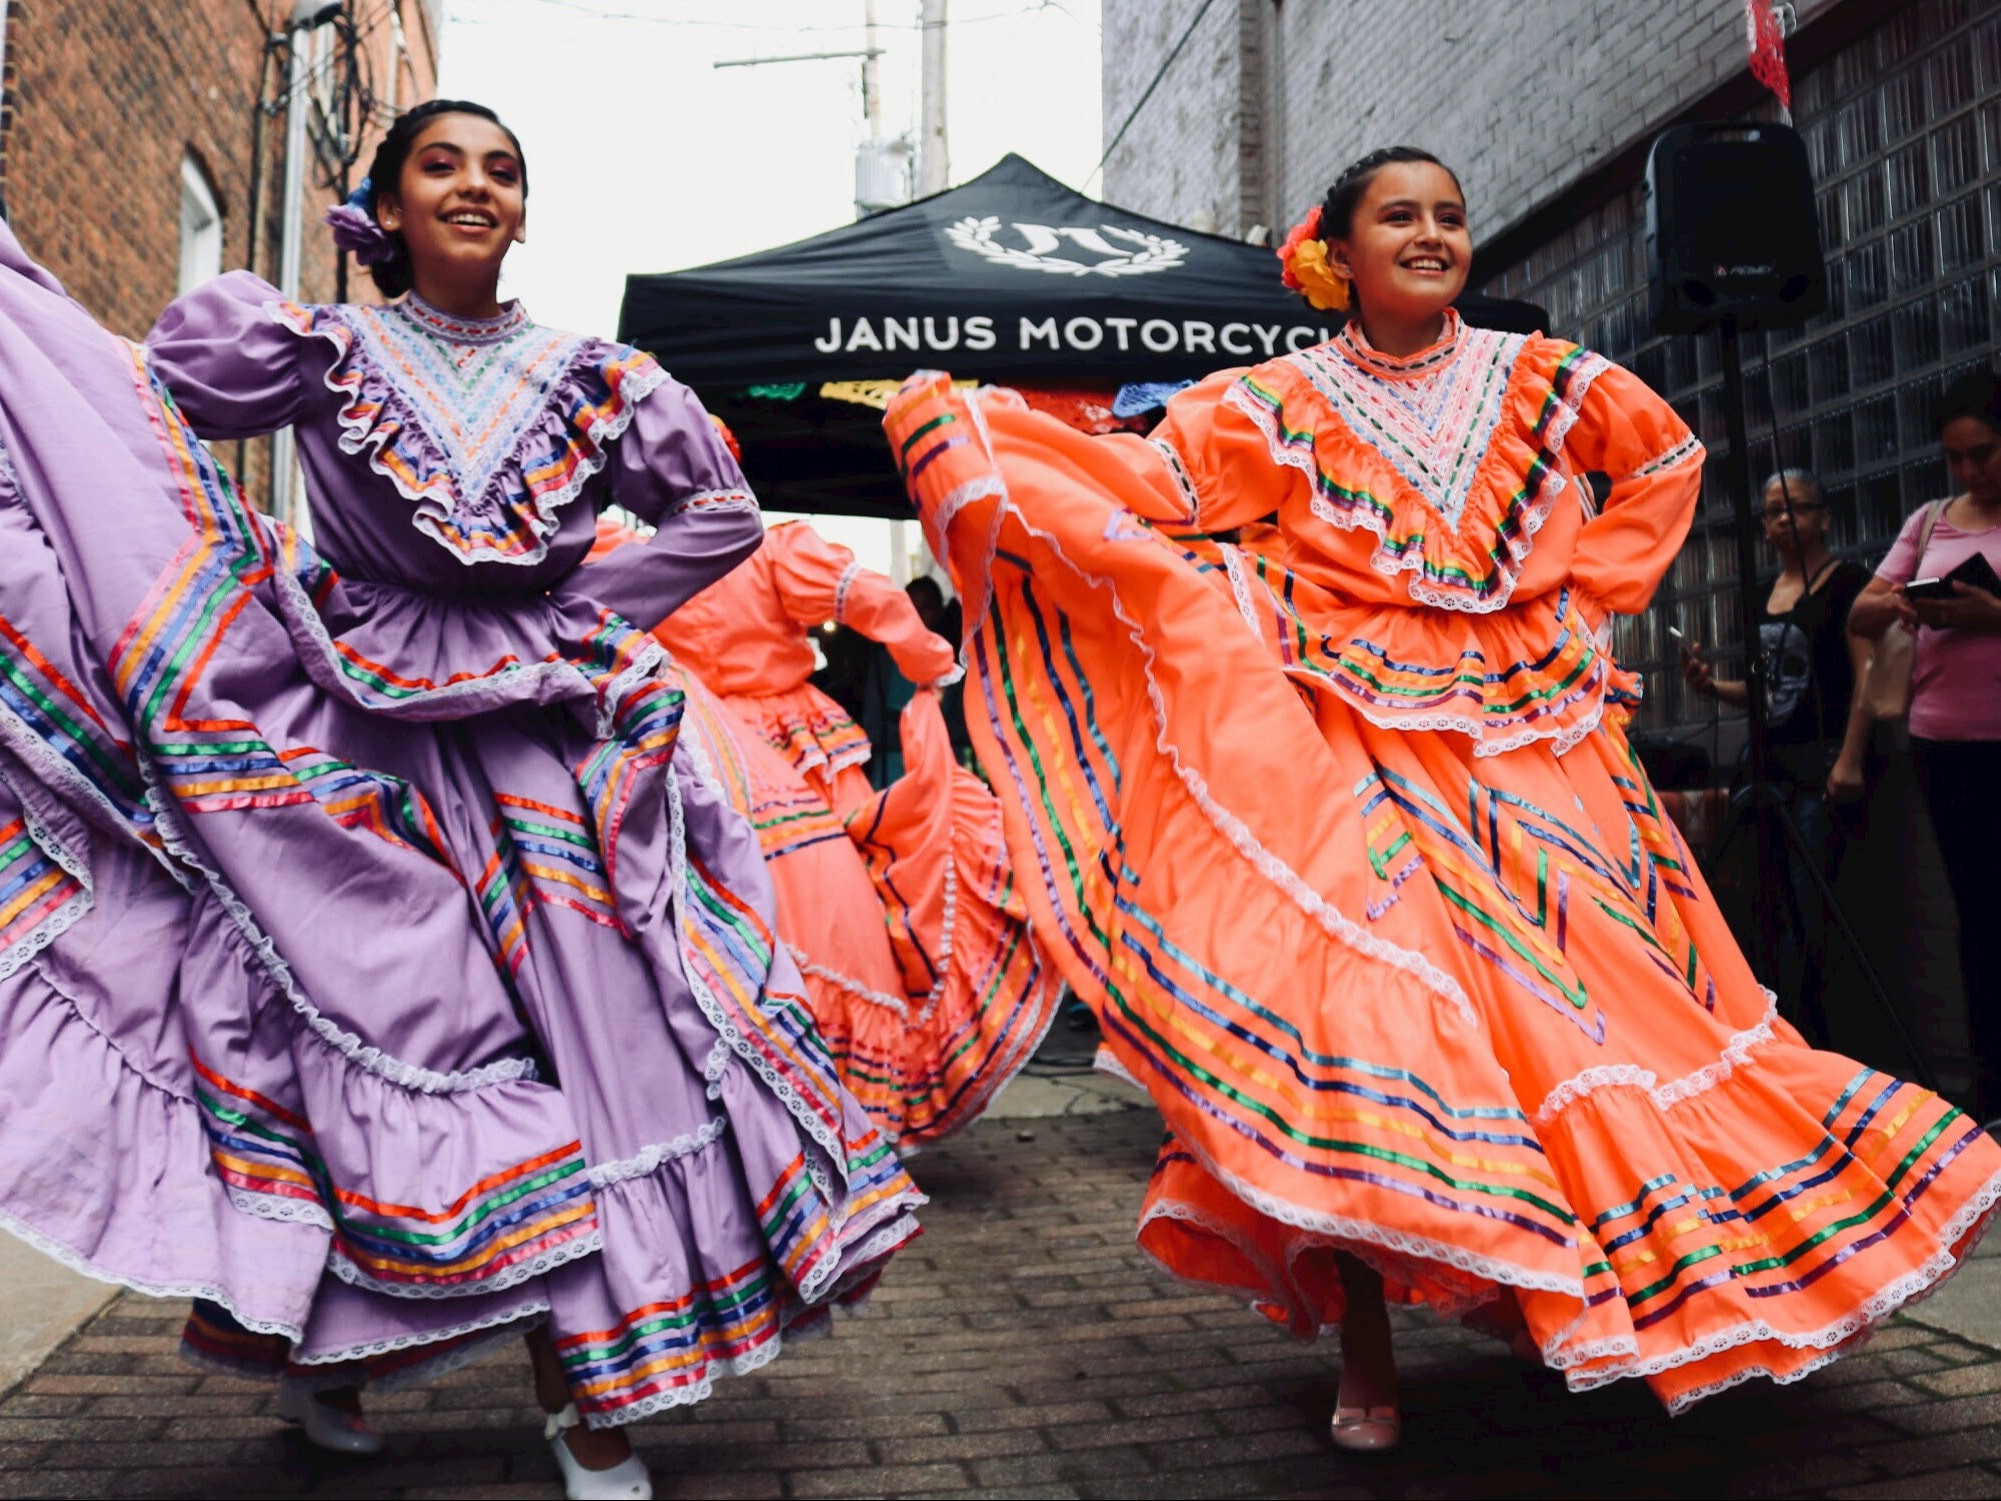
[(103, 97)]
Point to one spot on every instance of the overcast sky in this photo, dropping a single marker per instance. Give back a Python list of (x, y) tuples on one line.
[(644, 156)]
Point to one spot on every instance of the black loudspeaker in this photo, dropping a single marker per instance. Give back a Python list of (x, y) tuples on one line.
[(1732, 230)]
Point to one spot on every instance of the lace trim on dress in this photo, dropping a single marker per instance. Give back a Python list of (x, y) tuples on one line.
[(1356, 1235), (645, 1161), (712, 1010), (939, 526), (77, 1262), (1837, 1339), (1736, 1054), (1183, 482), (1240, 588), (260, 1206), (846, 582), (65, 917), (712, 500), (1324, 913), (375, 1348), (265, 951), (842, 982), (373, 421), (1514, 549), (538, 1265)]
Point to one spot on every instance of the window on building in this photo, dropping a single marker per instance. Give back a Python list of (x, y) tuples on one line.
[(201, 227), (1904, 135)]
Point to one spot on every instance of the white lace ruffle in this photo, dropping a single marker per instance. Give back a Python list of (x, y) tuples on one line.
[(1240, 589), (688, 1396), (300, 616), (649, 1158), (344, 1268), (1837, 1338), (363, 1056), (712, 1010), (372, 1349), (846, 984), (285, 1211), (1533, 514), (1177, 471), (359, 436), (710, 500), (841, 587), (208, 1292), (1735, 1055)]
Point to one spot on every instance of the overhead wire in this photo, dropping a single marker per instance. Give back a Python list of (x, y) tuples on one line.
[(1152, 84), (605, 13)]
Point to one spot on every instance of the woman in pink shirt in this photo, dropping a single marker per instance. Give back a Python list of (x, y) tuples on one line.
[(1956, 692)]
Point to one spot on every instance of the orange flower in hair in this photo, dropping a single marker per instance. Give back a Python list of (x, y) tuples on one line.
[(1303, 259)]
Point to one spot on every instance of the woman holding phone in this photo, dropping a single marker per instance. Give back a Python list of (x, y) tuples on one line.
[(1939, 579)]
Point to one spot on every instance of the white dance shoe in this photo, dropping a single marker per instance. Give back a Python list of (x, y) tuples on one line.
[(625, 1481), (327, 1427), (1366, 1428)]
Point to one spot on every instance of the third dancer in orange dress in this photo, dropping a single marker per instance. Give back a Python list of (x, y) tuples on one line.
[(1316, 777), (900, 906)]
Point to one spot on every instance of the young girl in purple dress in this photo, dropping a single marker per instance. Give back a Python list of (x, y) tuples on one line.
[(380, 964)]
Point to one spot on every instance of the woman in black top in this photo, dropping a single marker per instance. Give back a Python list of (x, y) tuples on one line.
[(1811, 667)]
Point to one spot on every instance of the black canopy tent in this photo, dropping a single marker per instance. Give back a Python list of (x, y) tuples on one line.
[(1012, 278)]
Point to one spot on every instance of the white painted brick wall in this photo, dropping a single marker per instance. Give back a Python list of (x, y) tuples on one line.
[(1521, 97)]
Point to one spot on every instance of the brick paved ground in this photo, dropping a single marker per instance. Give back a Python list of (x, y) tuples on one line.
[(1023, 1348)]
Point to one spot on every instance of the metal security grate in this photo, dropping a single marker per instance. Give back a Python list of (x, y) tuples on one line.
[(1903, 131)]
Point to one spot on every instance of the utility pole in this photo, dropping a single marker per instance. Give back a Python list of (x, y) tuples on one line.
[(286, 504), (871, 74), (934, 166)]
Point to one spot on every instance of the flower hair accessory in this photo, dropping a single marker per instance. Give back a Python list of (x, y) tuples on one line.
[(355, 229), (1304, 259)]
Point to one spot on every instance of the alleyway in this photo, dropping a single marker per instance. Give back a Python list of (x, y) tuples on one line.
[(1024, 1348)]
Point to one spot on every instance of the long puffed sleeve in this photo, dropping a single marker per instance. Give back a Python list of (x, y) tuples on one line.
[(819, 581), (1186, 474), (672, 470), (1217, 462), (235, 371), (1655, 463)]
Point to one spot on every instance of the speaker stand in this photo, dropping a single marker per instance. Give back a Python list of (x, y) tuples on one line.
[(1772, 823)]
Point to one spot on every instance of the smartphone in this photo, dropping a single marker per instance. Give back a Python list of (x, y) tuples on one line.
[(1974, 571)]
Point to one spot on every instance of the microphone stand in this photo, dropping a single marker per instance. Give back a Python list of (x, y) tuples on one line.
[(1766, 805)]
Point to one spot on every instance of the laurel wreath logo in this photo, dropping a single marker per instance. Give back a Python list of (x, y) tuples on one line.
[(1148, 253)]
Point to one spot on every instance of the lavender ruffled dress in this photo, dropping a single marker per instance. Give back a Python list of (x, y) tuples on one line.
[(379, 962)]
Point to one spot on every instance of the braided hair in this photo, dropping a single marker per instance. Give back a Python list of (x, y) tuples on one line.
[(1337, 209), (385, 171)]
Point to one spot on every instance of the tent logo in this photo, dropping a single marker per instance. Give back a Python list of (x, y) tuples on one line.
[(1113, 251)]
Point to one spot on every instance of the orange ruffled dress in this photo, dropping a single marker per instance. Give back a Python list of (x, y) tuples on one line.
[(1316, 782), (901, 909), (747, 635)]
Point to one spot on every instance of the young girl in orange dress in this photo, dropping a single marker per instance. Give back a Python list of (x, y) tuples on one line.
[(900, 906), (1314, 768)]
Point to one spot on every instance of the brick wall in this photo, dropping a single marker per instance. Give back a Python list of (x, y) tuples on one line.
[(1521, 98), (1179, 158), (102, 100)]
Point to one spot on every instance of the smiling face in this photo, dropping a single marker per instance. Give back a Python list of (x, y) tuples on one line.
[(1408, 249), (460, 200)]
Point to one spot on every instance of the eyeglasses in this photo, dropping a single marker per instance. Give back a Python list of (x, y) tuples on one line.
[(1778, 513)]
